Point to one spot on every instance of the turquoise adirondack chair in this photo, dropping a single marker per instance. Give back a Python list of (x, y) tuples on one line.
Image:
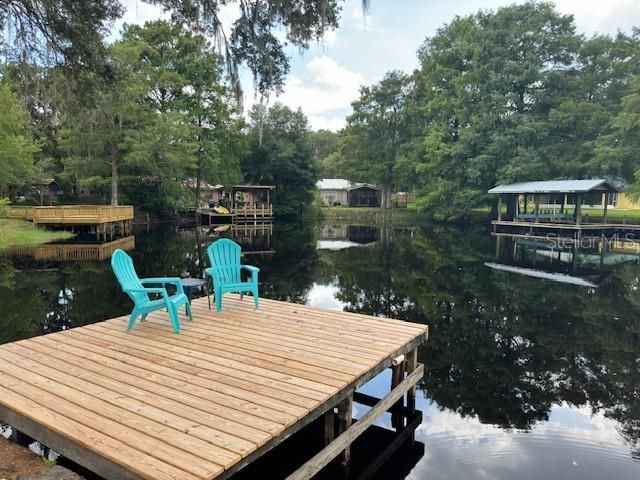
[(224, 256), (134, 286)]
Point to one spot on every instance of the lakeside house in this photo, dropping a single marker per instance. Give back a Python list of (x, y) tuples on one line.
[(342, 192)]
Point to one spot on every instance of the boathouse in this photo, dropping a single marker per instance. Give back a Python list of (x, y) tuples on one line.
[(552, 201), (565, 206)]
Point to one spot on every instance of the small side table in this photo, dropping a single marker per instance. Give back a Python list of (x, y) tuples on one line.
[(188, 284)]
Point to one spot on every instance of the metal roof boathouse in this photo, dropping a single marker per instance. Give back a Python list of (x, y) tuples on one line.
[(557, 206)]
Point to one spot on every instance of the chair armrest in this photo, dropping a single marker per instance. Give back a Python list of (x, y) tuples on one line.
[(251, 268), (162, 291), (171, 280), (254, 272)]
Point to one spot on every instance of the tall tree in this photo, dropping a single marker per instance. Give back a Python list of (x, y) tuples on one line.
[(283, 158), (375, 133), (323, 144), (17, 146), (619, 150), (94, 134), (484, 88), (166, 119)]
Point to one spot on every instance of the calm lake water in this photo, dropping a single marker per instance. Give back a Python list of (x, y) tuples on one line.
[(533, 361)]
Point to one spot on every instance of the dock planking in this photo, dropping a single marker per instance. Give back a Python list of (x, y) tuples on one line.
[(201, 404)]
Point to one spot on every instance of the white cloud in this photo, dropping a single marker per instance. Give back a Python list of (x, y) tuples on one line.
[(325, 87), (322, 122), (602, 16)]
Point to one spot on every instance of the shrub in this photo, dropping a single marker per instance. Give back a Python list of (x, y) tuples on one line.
[(5, 209)]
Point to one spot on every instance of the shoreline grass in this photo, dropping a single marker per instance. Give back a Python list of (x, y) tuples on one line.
[(373, 215), (20, 233)]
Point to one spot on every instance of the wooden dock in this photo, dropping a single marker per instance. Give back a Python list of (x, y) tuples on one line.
[(204, 403), (238, 215), (100, 220), (73, 214)]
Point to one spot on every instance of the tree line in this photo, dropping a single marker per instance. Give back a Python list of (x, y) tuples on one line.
[(139, 119), (163, 124), (498, 96)]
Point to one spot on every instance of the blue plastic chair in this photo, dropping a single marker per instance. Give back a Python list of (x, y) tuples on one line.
[(224, 256), (133, 286)]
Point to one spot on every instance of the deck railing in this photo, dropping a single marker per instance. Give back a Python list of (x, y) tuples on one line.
[(22, 213), (82, 214), (261, 211)]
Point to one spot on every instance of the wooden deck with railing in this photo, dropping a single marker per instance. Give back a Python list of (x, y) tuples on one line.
[(73, 214), (248, 213), (82, 214), (20, 213), (207, 402)]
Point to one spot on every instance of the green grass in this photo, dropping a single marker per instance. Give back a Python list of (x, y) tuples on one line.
[(372, 215), (631, 214), (19, 233)]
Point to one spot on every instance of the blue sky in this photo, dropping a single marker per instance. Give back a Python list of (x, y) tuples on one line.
[(325, 79)]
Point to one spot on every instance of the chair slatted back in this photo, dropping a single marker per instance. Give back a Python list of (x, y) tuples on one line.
[(225, 254), (125, 272)]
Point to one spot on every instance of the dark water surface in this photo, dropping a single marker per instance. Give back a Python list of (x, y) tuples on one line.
[(533, 362)]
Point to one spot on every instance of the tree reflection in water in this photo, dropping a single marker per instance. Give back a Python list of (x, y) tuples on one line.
[(503, 348)]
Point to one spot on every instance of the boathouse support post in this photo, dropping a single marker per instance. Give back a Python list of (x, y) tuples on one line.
[(604, 197), (499, 207), (536, 199), (578, 210)]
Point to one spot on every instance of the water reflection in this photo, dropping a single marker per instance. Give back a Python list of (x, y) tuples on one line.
[(585, 264), (519, 368)]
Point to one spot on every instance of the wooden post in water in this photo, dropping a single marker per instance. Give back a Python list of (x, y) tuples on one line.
[(329, 427), (411, 365), (604, 196), (345, 417), (397, 375)]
